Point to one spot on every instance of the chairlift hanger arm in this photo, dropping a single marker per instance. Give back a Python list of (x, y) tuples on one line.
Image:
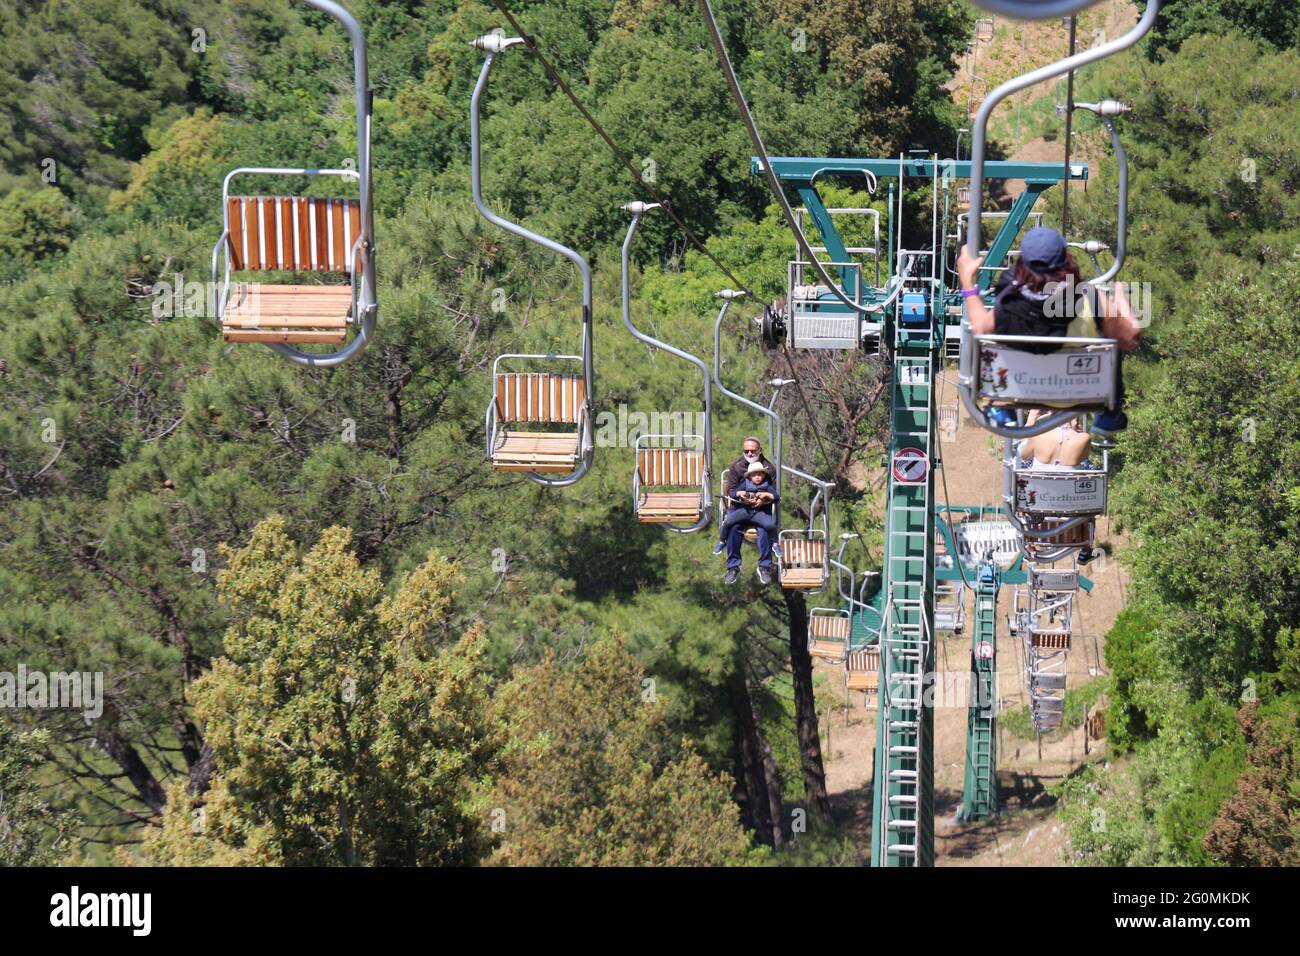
[(979, 169), (1107, 110), (476, 184)]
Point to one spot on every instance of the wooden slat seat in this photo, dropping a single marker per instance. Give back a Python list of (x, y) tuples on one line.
[(802, 579), (830, 651), (535, 451), (670, 506), (862, 670), (803, 566), (287, 313)]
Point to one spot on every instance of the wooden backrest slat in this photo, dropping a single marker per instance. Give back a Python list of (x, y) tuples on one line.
[(672, 467), (252, 235), (339, 247), (320, 215), (829, 626), (266, 226), (538, 397), (284, 232), (353, 230), (803, 552), (301, 234), (292, 233), (235, 216)]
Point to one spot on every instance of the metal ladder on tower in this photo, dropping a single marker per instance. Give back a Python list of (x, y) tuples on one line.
[(904, 808), (980, 794)]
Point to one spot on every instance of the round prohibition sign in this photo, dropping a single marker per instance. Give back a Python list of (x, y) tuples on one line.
[(911, 465)]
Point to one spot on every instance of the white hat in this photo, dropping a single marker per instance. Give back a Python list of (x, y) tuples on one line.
[(755, 466)]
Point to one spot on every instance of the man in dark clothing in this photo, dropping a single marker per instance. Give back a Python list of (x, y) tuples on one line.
[(734, 475), (755, 505)]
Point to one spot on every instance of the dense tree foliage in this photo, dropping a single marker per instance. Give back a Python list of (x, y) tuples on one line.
[(28, 830), (1208, 486), (593, 776), (140, 457)]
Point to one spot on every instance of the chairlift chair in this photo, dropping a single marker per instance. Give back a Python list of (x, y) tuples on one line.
[(949, 607), (828, 634), (555, 396), (667, 462), (536, 399), (302, 234), (817, 318), (803, 560), (1082, 374), (862, 670), (670, 484)]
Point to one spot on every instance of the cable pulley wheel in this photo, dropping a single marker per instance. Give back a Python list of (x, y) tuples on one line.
[(773, 327)]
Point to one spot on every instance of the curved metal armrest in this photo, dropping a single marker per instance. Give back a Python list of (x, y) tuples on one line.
[(360, 253), (218, 300), (490, 424)]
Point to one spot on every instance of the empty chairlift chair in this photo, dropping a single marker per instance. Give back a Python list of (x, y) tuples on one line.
[(830, 630), (524, 399), (803, 560), (525, 403), (288, 234), (817, 318), (862, 670), (308, 236), (670, 484), (949, 607), (828, 634)]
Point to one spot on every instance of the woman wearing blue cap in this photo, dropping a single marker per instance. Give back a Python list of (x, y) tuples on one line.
[(1044, 294)]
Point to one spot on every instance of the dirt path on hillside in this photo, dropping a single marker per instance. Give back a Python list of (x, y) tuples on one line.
[(1026, 833)]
